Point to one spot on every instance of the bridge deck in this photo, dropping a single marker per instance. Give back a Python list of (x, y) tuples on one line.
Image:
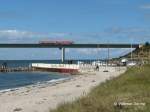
[(68, 46)]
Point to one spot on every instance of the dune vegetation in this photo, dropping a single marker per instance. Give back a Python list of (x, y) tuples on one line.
[(142, 53), (132, 88)]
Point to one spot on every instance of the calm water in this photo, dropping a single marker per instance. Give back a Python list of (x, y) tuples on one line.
[(19, 79)]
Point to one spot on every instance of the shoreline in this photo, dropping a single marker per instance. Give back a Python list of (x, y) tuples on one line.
[(48, 96), (6, 88), (37, 85)]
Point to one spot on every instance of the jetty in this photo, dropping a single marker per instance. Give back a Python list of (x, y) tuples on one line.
[(16, 69)]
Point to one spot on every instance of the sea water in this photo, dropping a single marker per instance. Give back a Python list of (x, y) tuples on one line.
[(10, 80)]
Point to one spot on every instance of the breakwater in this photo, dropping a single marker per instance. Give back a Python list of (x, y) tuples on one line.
[(16, 69)]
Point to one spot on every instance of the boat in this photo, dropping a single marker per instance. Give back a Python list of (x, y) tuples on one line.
[(61, 68)]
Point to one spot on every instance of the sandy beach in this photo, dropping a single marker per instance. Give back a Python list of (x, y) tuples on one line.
[(48, 96)]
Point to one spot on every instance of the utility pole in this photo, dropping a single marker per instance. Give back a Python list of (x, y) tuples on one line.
[(131, 52), (98, 52), (63, 55), (108, 55), (107, 60)]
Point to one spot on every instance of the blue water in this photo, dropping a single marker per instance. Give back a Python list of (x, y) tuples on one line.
[(19, 79)]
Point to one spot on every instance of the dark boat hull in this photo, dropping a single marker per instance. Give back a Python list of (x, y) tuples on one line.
[(60, 70)]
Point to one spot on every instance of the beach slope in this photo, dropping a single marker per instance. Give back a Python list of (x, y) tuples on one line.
[(49, 96)]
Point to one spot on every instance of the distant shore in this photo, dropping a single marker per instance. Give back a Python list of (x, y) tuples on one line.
[(41, 98)]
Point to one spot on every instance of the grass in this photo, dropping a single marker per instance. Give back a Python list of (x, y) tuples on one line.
[(132, 86), (139, 53)]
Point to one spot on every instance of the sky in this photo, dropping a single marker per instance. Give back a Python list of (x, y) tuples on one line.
[(81, 21)]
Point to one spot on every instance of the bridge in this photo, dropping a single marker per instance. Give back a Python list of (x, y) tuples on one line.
[(29, 45), (62, 47)]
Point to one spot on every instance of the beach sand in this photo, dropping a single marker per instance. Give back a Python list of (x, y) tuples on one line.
[(46, 97)]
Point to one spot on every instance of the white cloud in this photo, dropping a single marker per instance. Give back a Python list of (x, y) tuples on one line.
[(16, 35), (27, 36), (22, 36)]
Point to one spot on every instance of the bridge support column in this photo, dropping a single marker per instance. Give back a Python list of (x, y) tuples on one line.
[(63, 55)]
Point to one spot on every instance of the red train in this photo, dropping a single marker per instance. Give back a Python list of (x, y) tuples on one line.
[(57, 42)]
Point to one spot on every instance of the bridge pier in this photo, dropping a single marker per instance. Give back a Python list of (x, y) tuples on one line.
[(62, 55)]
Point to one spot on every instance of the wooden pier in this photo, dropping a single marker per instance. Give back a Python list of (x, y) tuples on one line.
[(16, 69)]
